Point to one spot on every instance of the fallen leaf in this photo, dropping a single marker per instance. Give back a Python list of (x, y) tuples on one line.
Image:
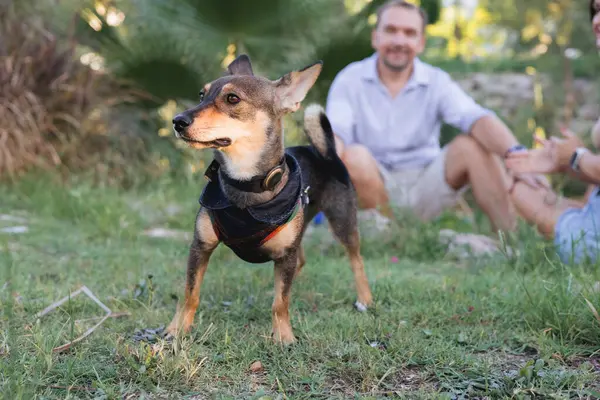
[(256, 366)]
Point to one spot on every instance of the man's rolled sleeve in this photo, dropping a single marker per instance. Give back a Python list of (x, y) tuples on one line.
[(339, 110), (457, 108)]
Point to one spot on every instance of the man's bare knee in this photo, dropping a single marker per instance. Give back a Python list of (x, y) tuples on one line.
[(465, 154), (365, 176), (465, 145), (359, 160)]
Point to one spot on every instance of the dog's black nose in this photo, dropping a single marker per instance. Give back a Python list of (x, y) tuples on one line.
[(181, 121)]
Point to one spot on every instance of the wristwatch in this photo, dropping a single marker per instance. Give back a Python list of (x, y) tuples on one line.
[(518, 147), (576, 158)]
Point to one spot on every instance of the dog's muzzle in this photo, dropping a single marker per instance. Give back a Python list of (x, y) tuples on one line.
[(180, 122)]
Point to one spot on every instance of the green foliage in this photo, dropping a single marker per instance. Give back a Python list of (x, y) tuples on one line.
[(169, 49), (433, 8), (173, 60), (56, 112), (566, 22)]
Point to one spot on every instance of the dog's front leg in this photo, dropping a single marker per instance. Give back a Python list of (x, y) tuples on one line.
[(285, 269), (204, 243), (301, 260)]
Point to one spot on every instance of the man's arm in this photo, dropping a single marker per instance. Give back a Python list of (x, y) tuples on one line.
[(459, 109), (493, 135), (589, 169)]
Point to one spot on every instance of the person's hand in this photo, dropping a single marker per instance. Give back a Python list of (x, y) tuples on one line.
[(554, 156), (566, 147), (541, 161), (528, 166)]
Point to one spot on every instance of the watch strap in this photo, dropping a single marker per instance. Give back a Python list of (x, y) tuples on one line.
[(576, 158)]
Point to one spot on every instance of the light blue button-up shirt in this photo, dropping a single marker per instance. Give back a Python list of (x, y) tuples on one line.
[(404, 131)]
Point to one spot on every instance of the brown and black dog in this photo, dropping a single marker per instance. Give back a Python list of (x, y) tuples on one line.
[(261, 196)]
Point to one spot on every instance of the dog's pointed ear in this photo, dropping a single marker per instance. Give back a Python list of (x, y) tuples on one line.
[(292, 88), (240, 66)]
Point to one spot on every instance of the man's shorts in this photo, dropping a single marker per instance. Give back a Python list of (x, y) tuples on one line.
[(577, 232), (423, 190)]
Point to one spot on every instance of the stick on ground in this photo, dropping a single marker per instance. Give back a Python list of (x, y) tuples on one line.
[(91, 295)]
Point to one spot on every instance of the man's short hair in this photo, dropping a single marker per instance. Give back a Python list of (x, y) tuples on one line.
[(403, 4), (592, 9)]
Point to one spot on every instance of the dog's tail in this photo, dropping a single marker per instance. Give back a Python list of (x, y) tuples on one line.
[(320, 134), (319, 131)]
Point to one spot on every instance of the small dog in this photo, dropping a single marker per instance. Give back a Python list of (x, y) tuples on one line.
[(261, 197)]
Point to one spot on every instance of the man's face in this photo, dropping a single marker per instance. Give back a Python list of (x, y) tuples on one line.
[(398, 37)]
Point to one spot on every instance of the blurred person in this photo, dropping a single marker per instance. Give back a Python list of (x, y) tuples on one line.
[(573, 225), (386, 111)]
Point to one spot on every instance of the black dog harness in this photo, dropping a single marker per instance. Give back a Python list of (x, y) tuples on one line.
[(245, 230)]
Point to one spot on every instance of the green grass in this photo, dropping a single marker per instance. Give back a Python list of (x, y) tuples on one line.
[(440, 328)]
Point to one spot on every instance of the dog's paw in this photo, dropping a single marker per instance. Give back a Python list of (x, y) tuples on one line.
[(168, 336), (171, 333), (283, 337), (360, 306)]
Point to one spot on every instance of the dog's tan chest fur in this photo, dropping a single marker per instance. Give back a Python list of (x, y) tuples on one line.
[(277, 246)]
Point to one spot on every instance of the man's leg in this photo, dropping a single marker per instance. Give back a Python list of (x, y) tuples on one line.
[(541, 207), (467, 162), (364, 172)]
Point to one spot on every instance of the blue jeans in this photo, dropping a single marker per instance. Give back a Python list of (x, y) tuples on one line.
[(577, 231)]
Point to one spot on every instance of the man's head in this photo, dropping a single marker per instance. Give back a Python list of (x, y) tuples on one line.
[(399, 35)]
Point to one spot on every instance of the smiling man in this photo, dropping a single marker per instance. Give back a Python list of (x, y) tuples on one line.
[(387, 110)]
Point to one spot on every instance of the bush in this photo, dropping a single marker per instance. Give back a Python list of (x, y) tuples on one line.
[(55, 111)]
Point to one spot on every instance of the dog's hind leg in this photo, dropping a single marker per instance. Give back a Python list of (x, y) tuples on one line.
[(342, 219), (285, 269), (203, 245)]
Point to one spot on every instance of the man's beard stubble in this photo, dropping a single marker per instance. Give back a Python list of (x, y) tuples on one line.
[(394, 67)]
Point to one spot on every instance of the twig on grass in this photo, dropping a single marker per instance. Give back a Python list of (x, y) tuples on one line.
[(91, 295)]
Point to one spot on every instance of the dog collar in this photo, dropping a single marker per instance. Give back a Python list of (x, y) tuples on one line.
[(256, 184), (274, 211)]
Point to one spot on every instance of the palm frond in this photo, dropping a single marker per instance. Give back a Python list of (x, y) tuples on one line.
[(171, 48)]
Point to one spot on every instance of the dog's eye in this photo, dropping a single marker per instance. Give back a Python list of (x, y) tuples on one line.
[(201, 94), (233, 99)]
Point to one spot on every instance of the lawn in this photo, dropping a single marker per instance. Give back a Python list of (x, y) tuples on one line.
[(494, 327)]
